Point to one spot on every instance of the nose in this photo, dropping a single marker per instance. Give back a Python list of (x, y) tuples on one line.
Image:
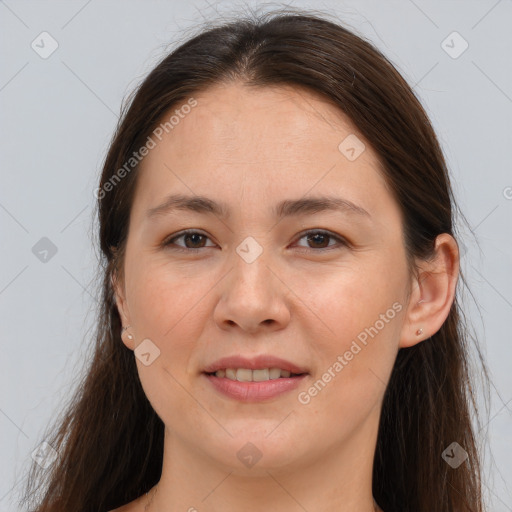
[(253, 298)]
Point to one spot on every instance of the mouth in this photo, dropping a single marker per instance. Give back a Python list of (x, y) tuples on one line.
[(257, 379), (258, 375), (243, 390)]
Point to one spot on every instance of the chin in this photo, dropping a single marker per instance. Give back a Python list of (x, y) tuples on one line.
[(254, 453)]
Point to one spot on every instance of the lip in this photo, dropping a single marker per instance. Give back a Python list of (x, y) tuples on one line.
[(254, 391), (256, 363)]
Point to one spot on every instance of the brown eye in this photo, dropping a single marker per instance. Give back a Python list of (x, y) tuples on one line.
[(320, 240), (193, 240)]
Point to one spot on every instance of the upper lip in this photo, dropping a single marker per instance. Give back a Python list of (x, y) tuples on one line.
[(254, 363)]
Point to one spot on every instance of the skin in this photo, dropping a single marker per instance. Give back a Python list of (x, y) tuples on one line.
[(251, 148)]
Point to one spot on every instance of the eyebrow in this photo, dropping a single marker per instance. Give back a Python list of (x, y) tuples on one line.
[(286, 208)]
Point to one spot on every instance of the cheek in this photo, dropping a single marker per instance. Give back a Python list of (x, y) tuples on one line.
[(339, 304), (351, 376), (355, 320), (165, 309), (163, 300), (171, 310)]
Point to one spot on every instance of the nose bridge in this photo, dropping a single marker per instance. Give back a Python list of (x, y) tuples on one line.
[(252, 295), (252, 277)]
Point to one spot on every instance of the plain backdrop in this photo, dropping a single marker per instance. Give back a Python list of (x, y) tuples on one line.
[(59, 111)]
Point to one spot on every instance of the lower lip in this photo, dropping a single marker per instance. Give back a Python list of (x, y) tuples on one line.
[(254, 391)]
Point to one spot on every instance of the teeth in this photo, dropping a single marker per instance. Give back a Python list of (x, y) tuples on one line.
[(275, 373), (247, 375), (244, 375), (259, 375)]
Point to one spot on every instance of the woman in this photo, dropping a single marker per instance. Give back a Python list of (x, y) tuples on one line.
[(279, 326)]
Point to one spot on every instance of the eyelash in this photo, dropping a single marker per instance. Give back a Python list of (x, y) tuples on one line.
[(169, 241)]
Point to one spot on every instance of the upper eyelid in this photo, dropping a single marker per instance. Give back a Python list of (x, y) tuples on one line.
[(184, 233)]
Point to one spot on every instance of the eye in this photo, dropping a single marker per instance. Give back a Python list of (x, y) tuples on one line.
[(321, 238), (196, 239)]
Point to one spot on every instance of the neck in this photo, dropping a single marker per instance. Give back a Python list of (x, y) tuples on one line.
[(338, 480)]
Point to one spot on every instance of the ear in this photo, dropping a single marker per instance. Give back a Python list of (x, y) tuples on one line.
[(122, 307), (432, 292)]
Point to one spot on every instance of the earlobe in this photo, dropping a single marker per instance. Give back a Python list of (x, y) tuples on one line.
[(127, 337), (433, 293)]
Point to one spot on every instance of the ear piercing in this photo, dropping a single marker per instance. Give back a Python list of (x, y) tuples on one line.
[(130, 336)]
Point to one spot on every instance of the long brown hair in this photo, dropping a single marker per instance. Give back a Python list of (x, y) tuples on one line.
[(110, 440)]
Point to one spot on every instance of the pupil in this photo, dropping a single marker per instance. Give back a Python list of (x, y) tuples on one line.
[(314, 238), (193, 235)]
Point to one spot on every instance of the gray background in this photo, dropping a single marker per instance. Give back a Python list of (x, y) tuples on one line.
[(58, 115)]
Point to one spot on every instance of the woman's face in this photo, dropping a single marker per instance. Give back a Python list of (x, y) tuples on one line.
[(255, 283)]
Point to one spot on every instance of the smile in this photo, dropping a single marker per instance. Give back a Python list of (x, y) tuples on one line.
[(253, 390), (247, 375)]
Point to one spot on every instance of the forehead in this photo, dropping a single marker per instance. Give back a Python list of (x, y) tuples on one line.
[(239, 120), (256, 142)]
